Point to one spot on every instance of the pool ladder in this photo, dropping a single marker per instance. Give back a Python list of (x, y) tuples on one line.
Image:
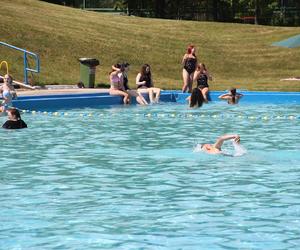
[(25, 62)]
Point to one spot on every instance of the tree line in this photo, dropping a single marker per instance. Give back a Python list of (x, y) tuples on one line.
[(267, 12)]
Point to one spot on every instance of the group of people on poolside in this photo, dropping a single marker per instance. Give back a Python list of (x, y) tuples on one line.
[(197, 72), (119, 84), (8, 93), (192, 72)]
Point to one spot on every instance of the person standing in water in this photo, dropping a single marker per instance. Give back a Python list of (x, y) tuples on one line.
[(232, 97), (14, 120), (196, 99), (189, 62)]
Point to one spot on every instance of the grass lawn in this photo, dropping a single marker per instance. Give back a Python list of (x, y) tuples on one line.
[(235, 54)]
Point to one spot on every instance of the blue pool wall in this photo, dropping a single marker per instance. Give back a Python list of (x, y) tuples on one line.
[(69, 101)]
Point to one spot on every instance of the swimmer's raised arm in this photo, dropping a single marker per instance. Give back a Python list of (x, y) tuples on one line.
[(223, 138), (114, 73), (224, 96)]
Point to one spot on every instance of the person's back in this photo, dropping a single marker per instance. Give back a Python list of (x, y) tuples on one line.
[(196, 99), (232, 97)]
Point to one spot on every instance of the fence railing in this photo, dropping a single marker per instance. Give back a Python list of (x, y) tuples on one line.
[(25, 60)]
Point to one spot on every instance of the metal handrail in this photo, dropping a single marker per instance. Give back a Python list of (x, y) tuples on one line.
[(25, 52)]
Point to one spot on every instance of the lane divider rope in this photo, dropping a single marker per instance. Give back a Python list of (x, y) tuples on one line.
[(171, 115)]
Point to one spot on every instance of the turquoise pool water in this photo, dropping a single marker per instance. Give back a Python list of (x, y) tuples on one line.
[(128, 178)]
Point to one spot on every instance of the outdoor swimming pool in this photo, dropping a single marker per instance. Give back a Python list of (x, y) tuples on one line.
[(128, 178)]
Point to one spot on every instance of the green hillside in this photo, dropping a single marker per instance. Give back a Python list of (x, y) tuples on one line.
[(236, 55)]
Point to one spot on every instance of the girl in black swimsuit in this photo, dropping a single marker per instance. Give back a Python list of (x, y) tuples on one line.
[(201, 77), (145, 85), (189, 63)]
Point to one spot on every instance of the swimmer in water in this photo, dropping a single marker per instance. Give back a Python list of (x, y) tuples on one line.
[(232, 97), (216, 147)]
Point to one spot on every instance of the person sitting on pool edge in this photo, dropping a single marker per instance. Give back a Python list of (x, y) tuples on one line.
[(123, 75), (145, 84), (14, 120), (116, 84), (232, 97), (216, 147)]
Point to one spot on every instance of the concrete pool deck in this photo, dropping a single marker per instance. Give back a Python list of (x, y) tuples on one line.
[(62, 91)]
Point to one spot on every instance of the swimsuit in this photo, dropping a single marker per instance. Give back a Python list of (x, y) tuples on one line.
[(7, 99), (7, 94), (202, 81), (115, 82), (190, 65), (148, 81)]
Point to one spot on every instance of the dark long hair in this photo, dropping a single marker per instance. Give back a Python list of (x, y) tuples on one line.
[(144, 72), (233, 94), (197, 98), (15, 112)]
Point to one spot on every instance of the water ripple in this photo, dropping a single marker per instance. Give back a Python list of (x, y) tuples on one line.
[(122, 180)]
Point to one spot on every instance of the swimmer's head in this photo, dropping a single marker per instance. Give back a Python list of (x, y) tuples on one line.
[(233, 91), (206, 147), (13, 113)]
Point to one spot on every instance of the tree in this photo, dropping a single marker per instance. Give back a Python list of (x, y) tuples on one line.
[(160, 8)]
